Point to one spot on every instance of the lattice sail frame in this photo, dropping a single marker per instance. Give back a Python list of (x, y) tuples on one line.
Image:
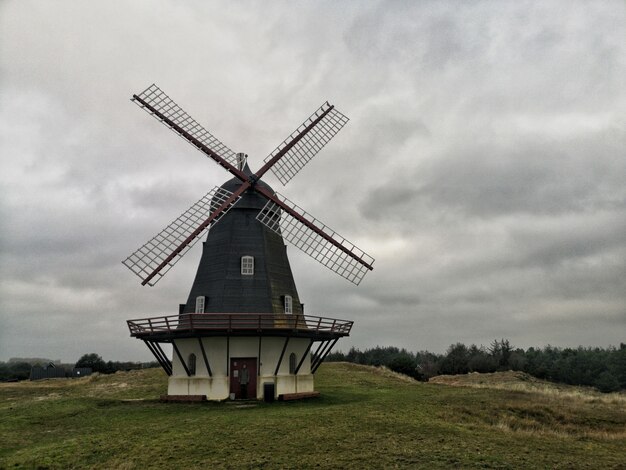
[(312, 243), (304, 150), (147, 258), (160, 101)]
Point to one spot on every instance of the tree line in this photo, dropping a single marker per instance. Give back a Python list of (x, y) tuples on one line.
[(602, 368), (97, 364), (20, 370)]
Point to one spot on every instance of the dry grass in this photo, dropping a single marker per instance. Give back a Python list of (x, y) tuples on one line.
[(366, 417), (522, 382), (539, 408), (528, 427), (384, 371)]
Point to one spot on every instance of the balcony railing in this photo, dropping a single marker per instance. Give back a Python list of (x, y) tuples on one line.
[(238, 323)]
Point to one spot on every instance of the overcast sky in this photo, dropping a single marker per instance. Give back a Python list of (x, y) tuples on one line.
[(483, 165)]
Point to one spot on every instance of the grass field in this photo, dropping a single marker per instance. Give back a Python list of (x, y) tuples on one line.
[(366, 418)]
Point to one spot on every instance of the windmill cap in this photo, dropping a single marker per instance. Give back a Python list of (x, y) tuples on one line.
[(250, 199)]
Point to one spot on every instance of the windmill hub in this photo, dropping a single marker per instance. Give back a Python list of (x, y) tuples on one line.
[(242, 332), (253, 179)]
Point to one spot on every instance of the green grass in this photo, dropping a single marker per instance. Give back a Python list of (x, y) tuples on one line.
[(366, 418)]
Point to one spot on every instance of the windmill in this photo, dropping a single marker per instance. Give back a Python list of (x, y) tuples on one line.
[(243, 313)]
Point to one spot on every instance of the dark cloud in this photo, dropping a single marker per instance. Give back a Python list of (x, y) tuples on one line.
[(534, 176)]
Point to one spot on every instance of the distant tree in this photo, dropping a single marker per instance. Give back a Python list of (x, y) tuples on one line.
[(501, 351), (607, 382), (480, 360), (336, 356), (428, 363), (597, 367), (353, 355), (381, 356), (94, 361), (517, 361), (404, 363), (114, 366), (14, 371), (456, 360), (618, 365), (535, 363)]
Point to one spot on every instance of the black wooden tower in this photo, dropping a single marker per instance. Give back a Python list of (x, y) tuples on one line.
[(219, 278)]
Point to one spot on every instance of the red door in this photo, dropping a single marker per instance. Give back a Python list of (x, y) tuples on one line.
[(243, 374)]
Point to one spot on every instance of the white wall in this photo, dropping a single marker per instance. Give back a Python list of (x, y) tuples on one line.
[(217, 387)]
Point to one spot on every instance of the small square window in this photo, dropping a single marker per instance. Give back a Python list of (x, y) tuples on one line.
[(247, 265), (288, 304)]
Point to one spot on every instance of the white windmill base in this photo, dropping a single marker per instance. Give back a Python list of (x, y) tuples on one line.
[(225, 359), (218, 356)]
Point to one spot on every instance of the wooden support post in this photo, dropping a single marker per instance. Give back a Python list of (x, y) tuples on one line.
[(164, 364), (181, 359), (166, 360), (306, 352), (280, 359), (157, 347), (321, 359), (206, 360), (317, 351)]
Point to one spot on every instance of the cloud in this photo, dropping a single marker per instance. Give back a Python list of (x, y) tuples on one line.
[(482, 166), (531, 176)]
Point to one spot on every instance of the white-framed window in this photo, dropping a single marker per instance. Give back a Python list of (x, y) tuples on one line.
[(288, 304), (200, 303), (247, 265)]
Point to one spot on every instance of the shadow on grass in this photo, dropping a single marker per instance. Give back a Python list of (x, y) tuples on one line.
[(326, 399)]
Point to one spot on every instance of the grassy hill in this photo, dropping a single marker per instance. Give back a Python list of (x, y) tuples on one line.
[(366, 418)]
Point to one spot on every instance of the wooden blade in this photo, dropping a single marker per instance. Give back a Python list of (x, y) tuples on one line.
[(163, 251), (154, 101), (304, 143), (314, 238)]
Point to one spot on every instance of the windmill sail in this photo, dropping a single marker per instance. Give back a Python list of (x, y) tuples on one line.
[(308, 146), (155, 252), (342, 257), (154, 101), (155, 258)]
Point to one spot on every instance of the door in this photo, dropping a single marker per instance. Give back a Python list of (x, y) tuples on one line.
[(243, 375)]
